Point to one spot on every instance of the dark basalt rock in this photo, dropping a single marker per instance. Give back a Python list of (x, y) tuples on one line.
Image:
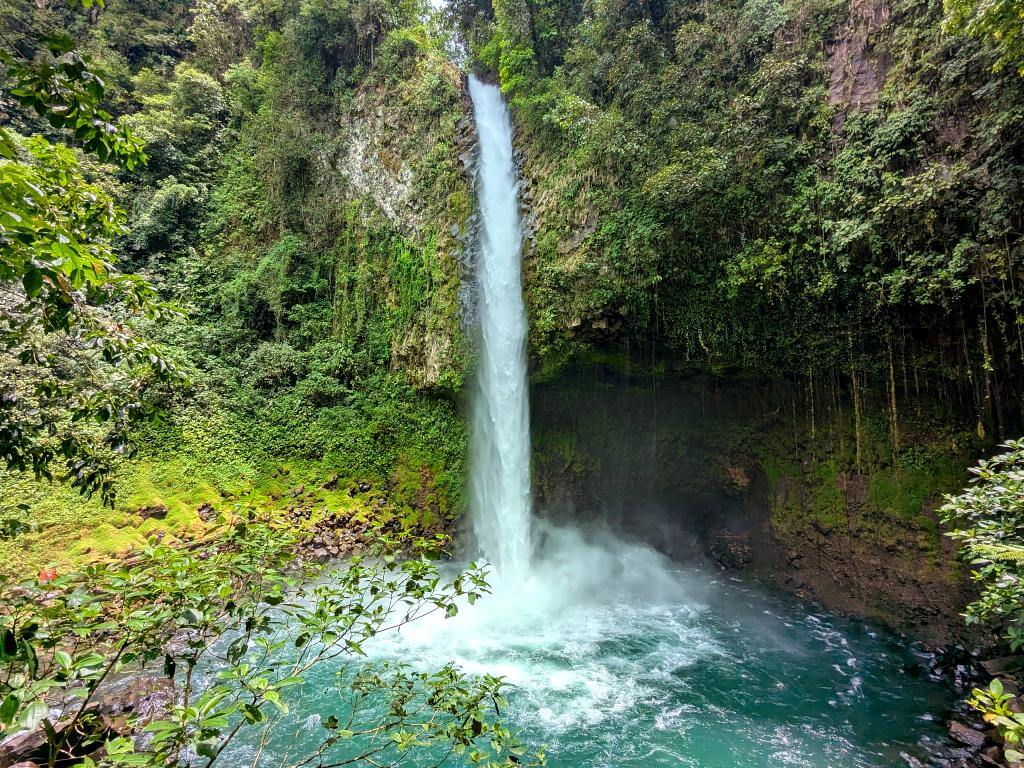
[(146, 699), (1003, 665), (966, 735), (122, 711), (157, 512), (731, 549)]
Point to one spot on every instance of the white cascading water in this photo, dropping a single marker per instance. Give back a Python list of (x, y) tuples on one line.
[(500, 471)]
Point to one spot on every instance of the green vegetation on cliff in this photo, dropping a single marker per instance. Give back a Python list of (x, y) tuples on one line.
[(315, 251), (770, 185)]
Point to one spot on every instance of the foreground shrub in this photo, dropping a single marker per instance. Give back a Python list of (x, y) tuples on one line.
[(237, 624)]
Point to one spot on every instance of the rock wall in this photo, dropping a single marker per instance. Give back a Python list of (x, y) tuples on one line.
[(419, 180), (857, 67), (749, 475)]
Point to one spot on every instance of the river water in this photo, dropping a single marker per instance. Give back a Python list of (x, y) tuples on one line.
[(620, 657), (617, 657)]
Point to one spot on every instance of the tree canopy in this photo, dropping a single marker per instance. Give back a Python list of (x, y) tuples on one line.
[(66, 308)]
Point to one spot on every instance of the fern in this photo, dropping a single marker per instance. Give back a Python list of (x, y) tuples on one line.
[(1003, 554)]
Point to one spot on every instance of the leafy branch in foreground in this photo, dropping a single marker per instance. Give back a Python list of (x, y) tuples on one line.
[(988, 520), (240, 628), (73, 357)]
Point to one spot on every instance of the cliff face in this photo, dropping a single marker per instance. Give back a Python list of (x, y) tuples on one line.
[(857, 68), (822, 197), (373, 188), (774, 187), (760, 476), (416, 182)]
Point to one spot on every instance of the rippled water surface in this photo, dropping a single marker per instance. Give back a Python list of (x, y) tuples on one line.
[(621, 658)]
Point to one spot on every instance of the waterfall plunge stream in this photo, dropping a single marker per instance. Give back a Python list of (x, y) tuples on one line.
[(615, 656), (500, 465)]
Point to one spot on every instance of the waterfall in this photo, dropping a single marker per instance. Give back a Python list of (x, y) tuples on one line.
[(500, 461)]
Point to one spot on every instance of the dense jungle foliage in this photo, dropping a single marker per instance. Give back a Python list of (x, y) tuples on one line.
[(192, 276), (234, 245), (300, 262), (775, 186), (825, 192)]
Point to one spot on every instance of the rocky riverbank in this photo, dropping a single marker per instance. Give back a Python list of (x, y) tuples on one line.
[(325, 533), (973, 742)]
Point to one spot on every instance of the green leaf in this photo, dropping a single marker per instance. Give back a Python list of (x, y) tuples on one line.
[(207, 748), (9, 647), (274, 698), (58, 43), (355, 647), (33, 715), (29, 654), (9, 708), (33, 282), (237, 649)]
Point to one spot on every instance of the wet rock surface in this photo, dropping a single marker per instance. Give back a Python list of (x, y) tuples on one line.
[(731, 550), (971, 742), (124, 709), (693, 466), (849, 569)]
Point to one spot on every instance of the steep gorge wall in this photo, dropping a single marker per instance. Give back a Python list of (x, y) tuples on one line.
[(777, 187), (820, 197), (380, 199), (763, 477)]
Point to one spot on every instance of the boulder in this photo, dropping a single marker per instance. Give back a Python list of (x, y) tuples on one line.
[(20, 745), (992, 756), (1003, 665), (966, 735), (156, 512), (146, 699)]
